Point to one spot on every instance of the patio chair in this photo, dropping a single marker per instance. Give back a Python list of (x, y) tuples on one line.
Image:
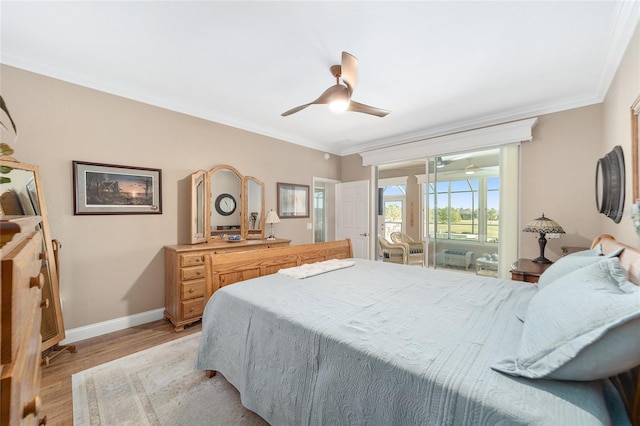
[(415, 249)]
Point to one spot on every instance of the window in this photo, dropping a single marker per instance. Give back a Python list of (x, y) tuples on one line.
[(464, 209)]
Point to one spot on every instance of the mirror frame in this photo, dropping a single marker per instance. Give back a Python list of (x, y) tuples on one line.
[(610, 179), (201, 212), (210, 198), (198, 198), (52, 283)]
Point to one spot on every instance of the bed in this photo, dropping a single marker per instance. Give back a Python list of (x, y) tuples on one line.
[(385, 344)]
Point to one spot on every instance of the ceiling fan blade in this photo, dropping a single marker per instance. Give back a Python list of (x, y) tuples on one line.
[(358, 107), (349, 71), (296, 109), (334, 92)]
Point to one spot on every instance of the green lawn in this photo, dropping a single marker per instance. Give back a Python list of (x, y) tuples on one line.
[(464, 227)]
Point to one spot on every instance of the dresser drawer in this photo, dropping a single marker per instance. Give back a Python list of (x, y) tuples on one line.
[(21, 268), (191, 260), (196, 273), (192, 308), (193, 289), (21, 379)]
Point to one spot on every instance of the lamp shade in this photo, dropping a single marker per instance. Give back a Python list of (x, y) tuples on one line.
[(544, 225), (272, 217)]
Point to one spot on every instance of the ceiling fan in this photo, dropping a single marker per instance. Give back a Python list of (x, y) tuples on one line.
[(441, 163), (338, 96)]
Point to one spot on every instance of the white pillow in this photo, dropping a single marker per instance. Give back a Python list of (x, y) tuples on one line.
[(572, 262), (583, 326), (596, 251)]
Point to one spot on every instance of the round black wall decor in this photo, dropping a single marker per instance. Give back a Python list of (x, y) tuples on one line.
[(610, 184), (225, 204)]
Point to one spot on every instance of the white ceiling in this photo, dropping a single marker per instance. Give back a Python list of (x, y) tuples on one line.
[(439, 66)]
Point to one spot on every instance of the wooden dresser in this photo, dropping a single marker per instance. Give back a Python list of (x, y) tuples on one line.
[(21, 312), (185, 282)]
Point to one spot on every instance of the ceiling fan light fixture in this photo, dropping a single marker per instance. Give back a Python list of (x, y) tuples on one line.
[(470, 169), (339, 98), (338, 105)]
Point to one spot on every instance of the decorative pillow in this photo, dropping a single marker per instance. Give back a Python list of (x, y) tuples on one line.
[(583, 326), (596, 251), (572, 262)]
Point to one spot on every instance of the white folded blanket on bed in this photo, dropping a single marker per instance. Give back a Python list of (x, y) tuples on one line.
[(312, 269)]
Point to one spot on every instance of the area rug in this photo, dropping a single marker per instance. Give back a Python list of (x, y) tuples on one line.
[(157, 386)]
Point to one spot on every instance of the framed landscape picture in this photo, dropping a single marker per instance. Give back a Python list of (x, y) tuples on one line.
[(102, 189), (293, 200)]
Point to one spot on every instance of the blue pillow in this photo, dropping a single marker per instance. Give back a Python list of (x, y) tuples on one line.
[(583, 326), (572, 262)]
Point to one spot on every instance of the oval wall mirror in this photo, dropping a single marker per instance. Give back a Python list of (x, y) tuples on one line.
[(610, 184)]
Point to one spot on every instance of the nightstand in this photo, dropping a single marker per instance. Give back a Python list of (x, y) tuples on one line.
[(528, 271)]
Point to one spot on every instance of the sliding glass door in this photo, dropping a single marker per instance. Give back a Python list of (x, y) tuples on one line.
[(461, 199), (463, 206)]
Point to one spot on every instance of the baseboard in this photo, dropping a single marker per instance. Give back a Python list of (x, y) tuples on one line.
[(100, 328)]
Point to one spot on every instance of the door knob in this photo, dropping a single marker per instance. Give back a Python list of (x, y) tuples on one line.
[(364, 234)]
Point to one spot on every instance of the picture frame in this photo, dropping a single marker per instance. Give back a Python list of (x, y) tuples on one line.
[(108, 189), (293, 200), (30, 186)]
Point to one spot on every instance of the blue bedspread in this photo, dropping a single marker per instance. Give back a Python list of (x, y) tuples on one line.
[(383, 344)]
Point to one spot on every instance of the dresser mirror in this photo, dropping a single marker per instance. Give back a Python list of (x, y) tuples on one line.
[(254, 219), (225, 203), (22, 195), (197, 207)]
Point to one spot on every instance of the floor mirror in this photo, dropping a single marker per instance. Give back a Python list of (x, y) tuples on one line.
[(21, 194)]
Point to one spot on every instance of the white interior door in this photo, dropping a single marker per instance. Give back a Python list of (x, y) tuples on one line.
[(352, 216)]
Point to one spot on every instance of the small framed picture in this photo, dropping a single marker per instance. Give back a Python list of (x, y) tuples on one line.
[(102, 189), (293, 200), (33, 195)]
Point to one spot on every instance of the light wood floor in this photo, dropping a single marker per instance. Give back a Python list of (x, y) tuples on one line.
[(57, 402)]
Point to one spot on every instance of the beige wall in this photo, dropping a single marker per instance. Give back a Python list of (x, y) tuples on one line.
[(558, 167), (617, 131), (557, 179), (112, 266), (352, 170)]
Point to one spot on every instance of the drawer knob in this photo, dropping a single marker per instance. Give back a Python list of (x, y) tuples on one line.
[(44, 304), (37, 281), (191, 290), (192, 309), (32, 407)]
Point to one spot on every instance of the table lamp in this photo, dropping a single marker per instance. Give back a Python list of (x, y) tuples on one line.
[(543, 225), (272, 218)]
